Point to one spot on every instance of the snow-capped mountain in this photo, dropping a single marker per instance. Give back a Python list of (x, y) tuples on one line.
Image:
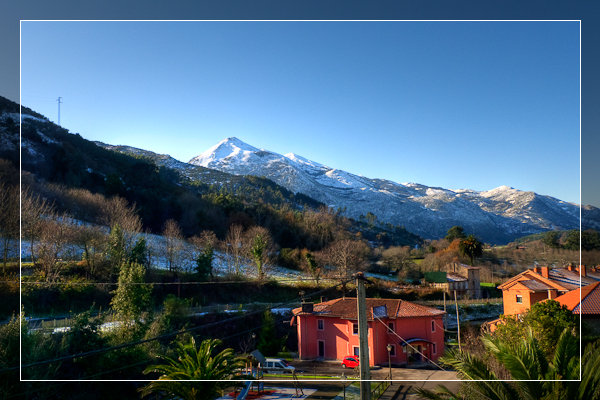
[(498, 215)]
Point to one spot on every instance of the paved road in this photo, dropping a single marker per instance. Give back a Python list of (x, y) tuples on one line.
[(411, 378), (334, 368)]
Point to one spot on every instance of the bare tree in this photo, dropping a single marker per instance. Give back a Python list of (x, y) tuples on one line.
[(9, 220), (33, 211), (173, 244), (397, 257), (117, 212), (55, 234), (347, 256), (234, 247), (94, 244)]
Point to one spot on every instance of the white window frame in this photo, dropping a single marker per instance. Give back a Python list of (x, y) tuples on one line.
[(519, 297), (353, 325), (355, 349)]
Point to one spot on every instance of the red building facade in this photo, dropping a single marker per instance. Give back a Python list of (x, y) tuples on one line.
[(329, 330)]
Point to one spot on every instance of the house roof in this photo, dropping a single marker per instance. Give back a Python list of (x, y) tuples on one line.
[(570, 279), (452, 277), (560, 279), (346, 308), (590, 299), (535, 286)]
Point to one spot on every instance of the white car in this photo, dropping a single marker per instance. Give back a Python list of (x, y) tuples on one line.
[(278, 365)]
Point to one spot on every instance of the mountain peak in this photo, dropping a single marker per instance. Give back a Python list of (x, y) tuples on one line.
[(235, 142), (228, 148)]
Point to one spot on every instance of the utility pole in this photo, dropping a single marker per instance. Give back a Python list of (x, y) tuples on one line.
[(445, 322), (363, 331), (457, 321), (59, 101)]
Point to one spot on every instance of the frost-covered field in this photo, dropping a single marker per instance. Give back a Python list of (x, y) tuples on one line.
[(184, 260)]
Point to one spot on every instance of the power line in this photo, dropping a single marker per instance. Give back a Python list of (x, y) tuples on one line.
[(164, 336), (145, 361), (168, 283)]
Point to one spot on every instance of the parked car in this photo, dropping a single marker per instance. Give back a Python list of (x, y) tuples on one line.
[(278, 365), (350, 362)]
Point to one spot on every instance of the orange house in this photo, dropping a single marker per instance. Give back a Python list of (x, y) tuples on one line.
[(539, 283), (329, 330), (584, 301)]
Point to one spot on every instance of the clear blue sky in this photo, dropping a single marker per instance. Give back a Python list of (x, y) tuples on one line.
[(458, 105)]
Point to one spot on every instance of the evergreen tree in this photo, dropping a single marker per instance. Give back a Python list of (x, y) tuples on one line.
[(132, 296), (572, 240), (456, 232), (471, 247), (551, 239), (139, 253), (311, 265), (269, 343), (204, 260), (116, 252)]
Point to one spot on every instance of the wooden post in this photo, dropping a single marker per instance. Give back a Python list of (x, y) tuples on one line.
[(445, 319), (363, 331), (457, 321)]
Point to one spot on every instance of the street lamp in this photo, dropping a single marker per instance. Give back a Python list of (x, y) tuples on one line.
[(344, 383), (389, 349)]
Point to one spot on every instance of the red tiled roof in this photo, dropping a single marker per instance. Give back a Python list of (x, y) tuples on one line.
[(346, 308), (590, 299)]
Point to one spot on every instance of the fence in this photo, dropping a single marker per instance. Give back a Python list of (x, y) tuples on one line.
[(381, 388)]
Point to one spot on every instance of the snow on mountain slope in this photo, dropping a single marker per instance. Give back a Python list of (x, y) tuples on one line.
[(497, 215)]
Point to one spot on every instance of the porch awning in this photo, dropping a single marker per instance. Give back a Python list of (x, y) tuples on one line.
[(411, 340)]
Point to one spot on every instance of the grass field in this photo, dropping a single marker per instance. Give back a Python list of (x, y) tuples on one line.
[(488, 284)]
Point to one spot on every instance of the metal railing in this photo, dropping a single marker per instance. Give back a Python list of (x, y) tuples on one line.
[(381, 388)]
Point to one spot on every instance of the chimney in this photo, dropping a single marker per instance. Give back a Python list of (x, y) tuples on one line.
[(307, 307), (552, 293), (537, 269), (545, 272), (571, 267), (583, 270), (323, 299)]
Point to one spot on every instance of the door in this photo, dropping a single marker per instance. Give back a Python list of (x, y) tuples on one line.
[(321, 349)]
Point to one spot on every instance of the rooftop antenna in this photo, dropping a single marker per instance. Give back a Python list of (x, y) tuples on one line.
[(59, 101)]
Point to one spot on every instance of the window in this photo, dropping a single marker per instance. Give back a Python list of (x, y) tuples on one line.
[(393, 351), (320, 324), (356, 351), (390, 327), (432, 326), (434, 348), (355, 329), (519, 298)]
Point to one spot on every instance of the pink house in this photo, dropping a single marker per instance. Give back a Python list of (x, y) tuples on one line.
[(329, 330)]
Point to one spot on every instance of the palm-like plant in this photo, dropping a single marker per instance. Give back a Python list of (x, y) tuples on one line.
[(193, 363), (536, 377)]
